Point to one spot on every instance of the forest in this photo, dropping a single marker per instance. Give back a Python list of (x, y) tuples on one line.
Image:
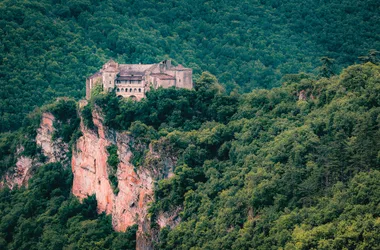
[(278, 143), (269, 169), (49, 47), (47, 216), (294, 167)]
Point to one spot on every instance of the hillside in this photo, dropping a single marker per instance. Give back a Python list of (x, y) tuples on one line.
[(48, 47), (294, 167)]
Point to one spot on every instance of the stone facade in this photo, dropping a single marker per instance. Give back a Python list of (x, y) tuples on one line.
[(134, 80)]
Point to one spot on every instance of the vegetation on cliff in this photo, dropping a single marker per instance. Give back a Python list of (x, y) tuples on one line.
[(113, 161), (292, 167), (66, 118), (48, 47), (23, 141), (47, 216)]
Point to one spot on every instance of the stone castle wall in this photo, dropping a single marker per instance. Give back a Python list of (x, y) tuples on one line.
[(162, 74)]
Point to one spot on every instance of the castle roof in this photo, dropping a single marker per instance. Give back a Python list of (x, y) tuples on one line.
[(134, 69), (97, 74), (180, 67), (162, 76)]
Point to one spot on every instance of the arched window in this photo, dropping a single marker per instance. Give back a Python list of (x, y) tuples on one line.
[(135, 90), (130, 90), (122, 90), (139, 90), (118, 90), (126, 90)]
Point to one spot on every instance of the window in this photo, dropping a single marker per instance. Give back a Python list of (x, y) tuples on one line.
[(139, 90), (118, 90), (122, 90), (135, 90), (130, 90)]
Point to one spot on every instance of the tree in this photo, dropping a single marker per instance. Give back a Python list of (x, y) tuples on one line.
[(373, 56), (326, 70)]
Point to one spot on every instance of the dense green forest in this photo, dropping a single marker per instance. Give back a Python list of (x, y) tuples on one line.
[(48, 47), (295, 167), (278, 145), (47, 216)]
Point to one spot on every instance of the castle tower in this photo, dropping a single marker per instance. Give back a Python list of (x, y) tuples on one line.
[(110, 71)]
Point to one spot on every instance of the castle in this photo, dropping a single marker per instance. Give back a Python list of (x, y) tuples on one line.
[(134, 80)]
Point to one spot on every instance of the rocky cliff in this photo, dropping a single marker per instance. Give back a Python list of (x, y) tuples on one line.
[(20, 175), (53, 151), (135, 185), (129, 205)]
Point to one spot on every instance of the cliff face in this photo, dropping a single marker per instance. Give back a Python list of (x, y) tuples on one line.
[(20, 175), (89, 165), (130, 205), (53, 150)]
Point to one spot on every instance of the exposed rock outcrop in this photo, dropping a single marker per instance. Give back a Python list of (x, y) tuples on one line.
[(130, 205), (20, 175), (170, 218), (55, 150), (302, 95)]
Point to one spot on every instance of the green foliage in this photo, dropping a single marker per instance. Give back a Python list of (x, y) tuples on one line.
[(48, 47), (326, 70), (21, 142), (113, 161), (8, 147), (66, 118), (281, 172), (168, 109), (373, 56), (86, 115), (263, 170), (206, 81), (47, 216), (143, 132), (97, 90)]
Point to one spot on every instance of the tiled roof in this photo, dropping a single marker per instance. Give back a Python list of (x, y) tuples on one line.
[(163, 76), (180, 67), (134, 69), (95, 75)]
